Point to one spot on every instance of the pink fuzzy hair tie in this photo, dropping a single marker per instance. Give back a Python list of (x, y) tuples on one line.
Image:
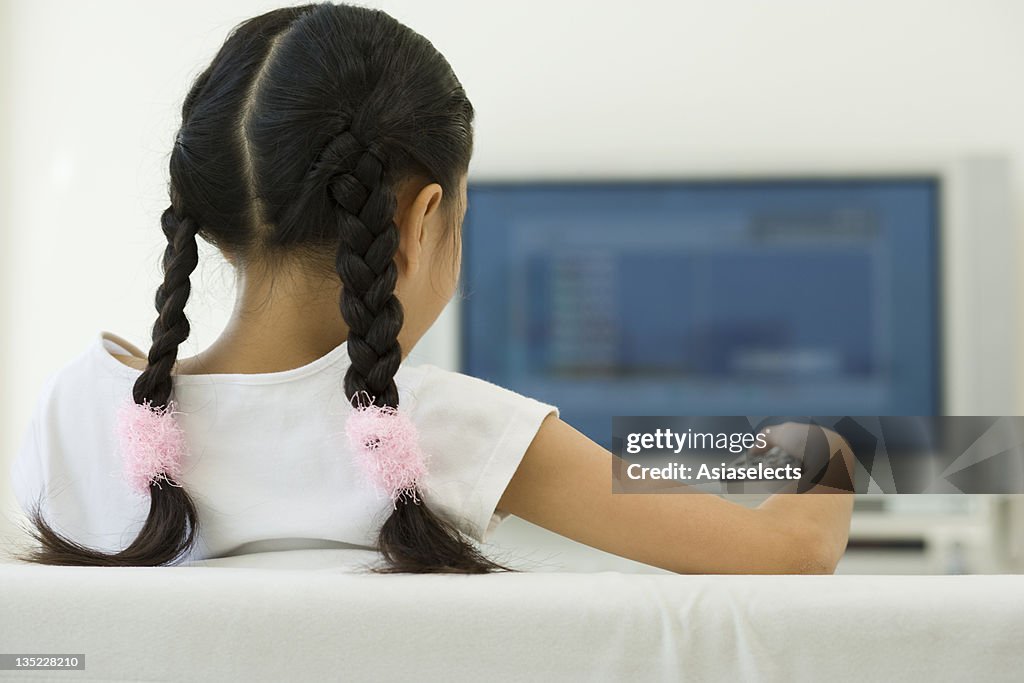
[(386, 446), (152, 444)]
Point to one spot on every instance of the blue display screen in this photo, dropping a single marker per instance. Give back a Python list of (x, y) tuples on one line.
[(780, 297)]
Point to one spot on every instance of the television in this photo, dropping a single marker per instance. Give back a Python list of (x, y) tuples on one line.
[(869, 290)]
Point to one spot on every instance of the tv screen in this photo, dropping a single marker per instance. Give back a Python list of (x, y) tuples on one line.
[(734, 297)]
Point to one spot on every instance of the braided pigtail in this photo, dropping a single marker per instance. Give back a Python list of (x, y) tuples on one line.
[(150, 440), (413, 538), (206, 190)]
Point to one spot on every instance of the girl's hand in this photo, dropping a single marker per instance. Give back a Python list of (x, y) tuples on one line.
[(828, 460)]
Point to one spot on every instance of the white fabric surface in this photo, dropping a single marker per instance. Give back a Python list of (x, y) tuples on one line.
[(269, 461), (306, 615)]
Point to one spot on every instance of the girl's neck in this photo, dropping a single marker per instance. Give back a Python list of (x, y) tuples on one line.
[(277, 324)]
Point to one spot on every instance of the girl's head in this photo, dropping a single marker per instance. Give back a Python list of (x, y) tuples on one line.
[(312, 135), (331, 140)]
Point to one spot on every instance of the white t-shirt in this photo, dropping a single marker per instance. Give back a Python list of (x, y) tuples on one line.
[(268, 460)]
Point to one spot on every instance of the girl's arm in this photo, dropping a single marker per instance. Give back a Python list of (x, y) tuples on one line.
[(564, 484)]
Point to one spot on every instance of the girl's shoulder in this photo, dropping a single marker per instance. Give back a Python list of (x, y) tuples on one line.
[(98, 357), (443, 392)]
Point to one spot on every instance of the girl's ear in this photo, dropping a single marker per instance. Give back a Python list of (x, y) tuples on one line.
[(421, 219)]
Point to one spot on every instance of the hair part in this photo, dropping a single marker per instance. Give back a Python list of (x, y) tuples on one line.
[(293, 144)]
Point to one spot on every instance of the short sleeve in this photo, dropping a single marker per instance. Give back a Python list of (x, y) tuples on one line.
[(27, 476), (24, 469), (475, 434)]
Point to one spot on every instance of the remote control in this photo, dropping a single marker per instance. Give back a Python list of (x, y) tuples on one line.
[(773, 457)]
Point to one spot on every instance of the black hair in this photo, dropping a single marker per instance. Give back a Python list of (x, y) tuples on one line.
[(293, 142)]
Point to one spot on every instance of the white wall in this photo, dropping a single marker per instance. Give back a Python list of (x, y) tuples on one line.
[(89, 110)]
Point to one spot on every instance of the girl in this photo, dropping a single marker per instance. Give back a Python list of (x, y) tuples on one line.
[(324, 152)]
